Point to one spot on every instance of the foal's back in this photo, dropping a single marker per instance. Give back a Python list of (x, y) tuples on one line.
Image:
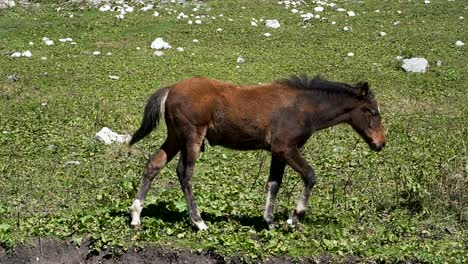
[(235, 116)]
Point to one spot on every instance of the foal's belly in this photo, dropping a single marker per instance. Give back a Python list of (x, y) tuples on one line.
[(237, 138)]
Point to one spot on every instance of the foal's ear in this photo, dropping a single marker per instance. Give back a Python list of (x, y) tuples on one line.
[(363, 88)]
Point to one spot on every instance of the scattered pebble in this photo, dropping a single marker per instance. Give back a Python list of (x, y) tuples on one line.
[(341, 9), (13, 78), (240, 60), (109, 53), (27, 54), (72, 162), (47, 41), (253, 23), (318, 9), (195, 41), (159, 44), (382, 34), (180, 49), (105, 8), (219, 29), (438, 63), (459, 43), (418, 65), (158, 53), (31, 43), (107, 136), (427, 1), (155, 14), (113, 77), (346, 29), (273, 23), (16, 55), (351, 13), (350, 54), (267, 35), (63, 40), (96, 53)]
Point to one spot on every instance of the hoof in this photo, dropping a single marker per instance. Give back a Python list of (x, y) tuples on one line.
[(200, 225)]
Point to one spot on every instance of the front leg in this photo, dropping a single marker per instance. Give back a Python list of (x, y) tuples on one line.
[(274, 182), (299, 164)]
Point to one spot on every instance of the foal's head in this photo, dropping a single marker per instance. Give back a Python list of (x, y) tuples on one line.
[(366, 120)]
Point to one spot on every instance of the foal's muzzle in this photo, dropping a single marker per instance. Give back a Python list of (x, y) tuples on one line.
[(377, 147)]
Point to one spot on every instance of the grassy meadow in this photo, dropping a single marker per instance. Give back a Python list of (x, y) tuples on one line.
[(406, 203)]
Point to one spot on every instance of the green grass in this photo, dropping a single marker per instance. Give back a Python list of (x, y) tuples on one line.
[(408, 202)]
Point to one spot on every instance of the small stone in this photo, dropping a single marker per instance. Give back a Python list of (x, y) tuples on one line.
[(459, 43), (427, 1), (350, 54), (267, 35), (180, 49), (109, 53), (418, 65), (195, 41), (13, 78), (346, 29), (253, 23), (351, 13), (198, 22), (155, 14), (158, 53), (274, 23), (219, 29), (16, 55), (105, 8), (159, 44), (73, 162), (382, 34), (240, 60), (27, 54), (318, 9), (114, 77), (96, 53), (399, 58), (341, 9), (438, 63)]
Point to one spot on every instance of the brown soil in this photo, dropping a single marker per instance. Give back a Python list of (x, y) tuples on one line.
[(53, 251)]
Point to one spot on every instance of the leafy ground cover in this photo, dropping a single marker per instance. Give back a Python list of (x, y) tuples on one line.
[(407, 203)]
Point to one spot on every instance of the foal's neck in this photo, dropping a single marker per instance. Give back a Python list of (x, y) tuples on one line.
[(334, 110)]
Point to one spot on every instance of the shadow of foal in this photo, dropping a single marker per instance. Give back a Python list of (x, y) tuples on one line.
[(278, 117)]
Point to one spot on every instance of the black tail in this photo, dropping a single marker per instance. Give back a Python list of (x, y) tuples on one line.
[(154, 111)]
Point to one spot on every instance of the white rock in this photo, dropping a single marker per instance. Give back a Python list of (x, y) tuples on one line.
[(399, 58), (129, 9), (190, 22), (43, 58), (158, 53), (27, 54), (350, 54), (96, 53), (240, 60), (272, 23), (396, 23), (114, 77), (253, 23), (382, 34), (159, 44), (195, 41), (31, 43), (16, 55), (415, 65), (198, 22), (109, 53), (219, 29), (461, 17), (318, 9), (307, 16), (155, 14), (427, 1), (439, 63), (294, 11), (180, 49), (107, 136), (105, 8), (267, 35), (351, 13), (459, 43), (346, 29), (72, 162), (120, 16), (341, 9)]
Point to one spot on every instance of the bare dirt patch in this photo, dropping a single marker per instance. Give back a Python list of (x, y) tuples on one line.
[(51, 251)]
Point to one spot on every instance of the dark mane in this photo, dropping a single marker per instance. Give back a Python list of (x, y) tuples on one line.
[(305, 82)]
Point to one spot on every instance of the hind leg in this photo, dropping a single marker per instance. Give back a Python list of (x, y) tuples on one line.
[(153, 167), (274, 182), (189, 154)]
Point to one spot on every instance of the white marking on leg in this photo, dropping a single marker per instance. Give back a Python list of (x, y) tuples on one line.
[(378, 108), (200, 225), (135, 211)]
